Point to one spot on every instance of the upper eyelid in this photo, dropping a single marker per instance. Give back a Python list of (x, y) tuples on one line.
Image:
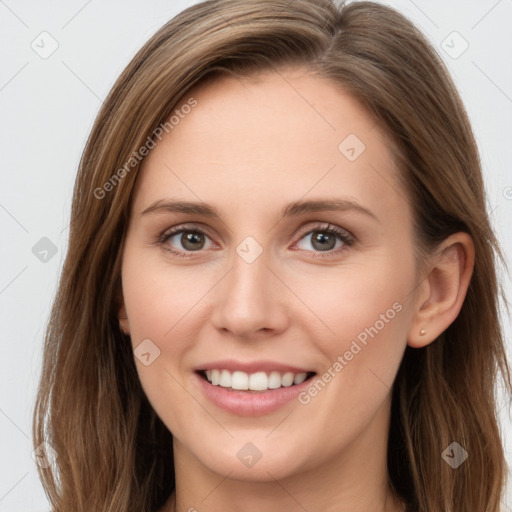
[(175, 230), (325, 226)]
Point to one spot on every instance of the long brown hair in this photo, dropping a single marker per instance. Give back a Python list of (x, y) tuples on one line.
[(113, 452)]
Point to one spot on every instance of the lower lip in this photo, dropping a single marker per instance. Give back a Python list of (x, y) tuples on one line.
[(250, 403)]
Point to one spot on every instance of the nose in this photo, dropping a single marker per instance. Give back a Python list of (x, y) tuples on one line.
[(251, 299)]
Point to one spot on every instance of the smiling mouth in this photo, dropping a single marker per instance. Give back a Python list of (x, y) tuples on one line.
[(253, 382)]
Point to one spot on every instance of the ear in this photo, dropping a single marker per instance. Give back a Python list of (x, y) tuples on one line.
[(442, 293)]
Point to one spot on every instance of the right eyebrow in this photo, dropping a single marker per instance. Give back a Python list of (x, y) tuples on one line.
[(164, 205)]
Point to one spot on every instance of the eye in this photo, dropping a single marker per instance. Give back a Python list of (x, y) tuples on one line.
[(190, 239), (326, 239)]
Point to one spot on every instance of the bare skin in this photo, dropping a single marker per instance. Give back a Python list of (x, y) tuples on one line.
[(250, 148)]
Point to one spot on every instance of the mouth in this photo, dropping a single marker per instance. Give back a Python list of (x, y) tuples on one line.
[(257, 382), (251, 388)]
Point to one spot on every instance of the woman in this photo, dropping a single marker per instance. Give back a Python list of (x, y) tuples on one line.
[(280, 291)]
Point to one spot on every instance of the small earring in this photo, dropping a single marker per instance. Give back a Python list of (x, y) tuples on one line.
[(423, 332)]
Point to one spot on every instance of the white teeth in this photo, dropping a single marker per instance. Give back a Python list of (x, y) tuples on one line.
[(274, 380), (300, 378), (225, 379), (240, 380), (287, 379), (259, 381)]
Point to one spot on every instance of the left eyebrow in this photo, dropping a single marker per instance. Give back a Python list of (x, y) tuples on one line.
[(324, 205), (293, 209)]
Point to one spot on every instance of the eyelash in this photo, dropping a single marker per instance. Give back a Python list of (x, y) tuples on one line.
[(347, 239)]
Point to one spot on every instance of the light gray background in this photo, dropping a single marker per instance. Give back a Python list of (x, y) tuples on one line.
[(48, 106)]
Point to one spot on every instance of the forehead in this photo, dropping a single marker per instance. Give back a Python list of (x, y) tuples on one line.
[(286, 134), (270, 115)]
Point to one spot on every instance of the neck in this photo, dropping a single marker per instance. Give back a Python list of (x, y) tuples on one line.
[(335, 495)]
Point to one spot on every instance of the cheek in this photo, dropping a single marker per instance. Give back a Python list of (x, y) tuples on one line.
[(158, 298), (358, 299), (364, 315), (163, 303), (157, 303), (366, 309)]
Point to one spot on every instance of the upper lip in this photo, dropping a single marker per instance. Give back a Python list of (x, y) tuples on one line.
[(251, 367)]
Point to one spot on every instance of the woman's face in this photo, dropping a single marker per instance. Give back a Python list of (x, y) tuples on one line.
[(259, 293)]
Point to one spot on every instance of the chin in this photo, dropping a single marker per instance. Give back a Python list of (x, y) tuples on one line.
[(258, 461)]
